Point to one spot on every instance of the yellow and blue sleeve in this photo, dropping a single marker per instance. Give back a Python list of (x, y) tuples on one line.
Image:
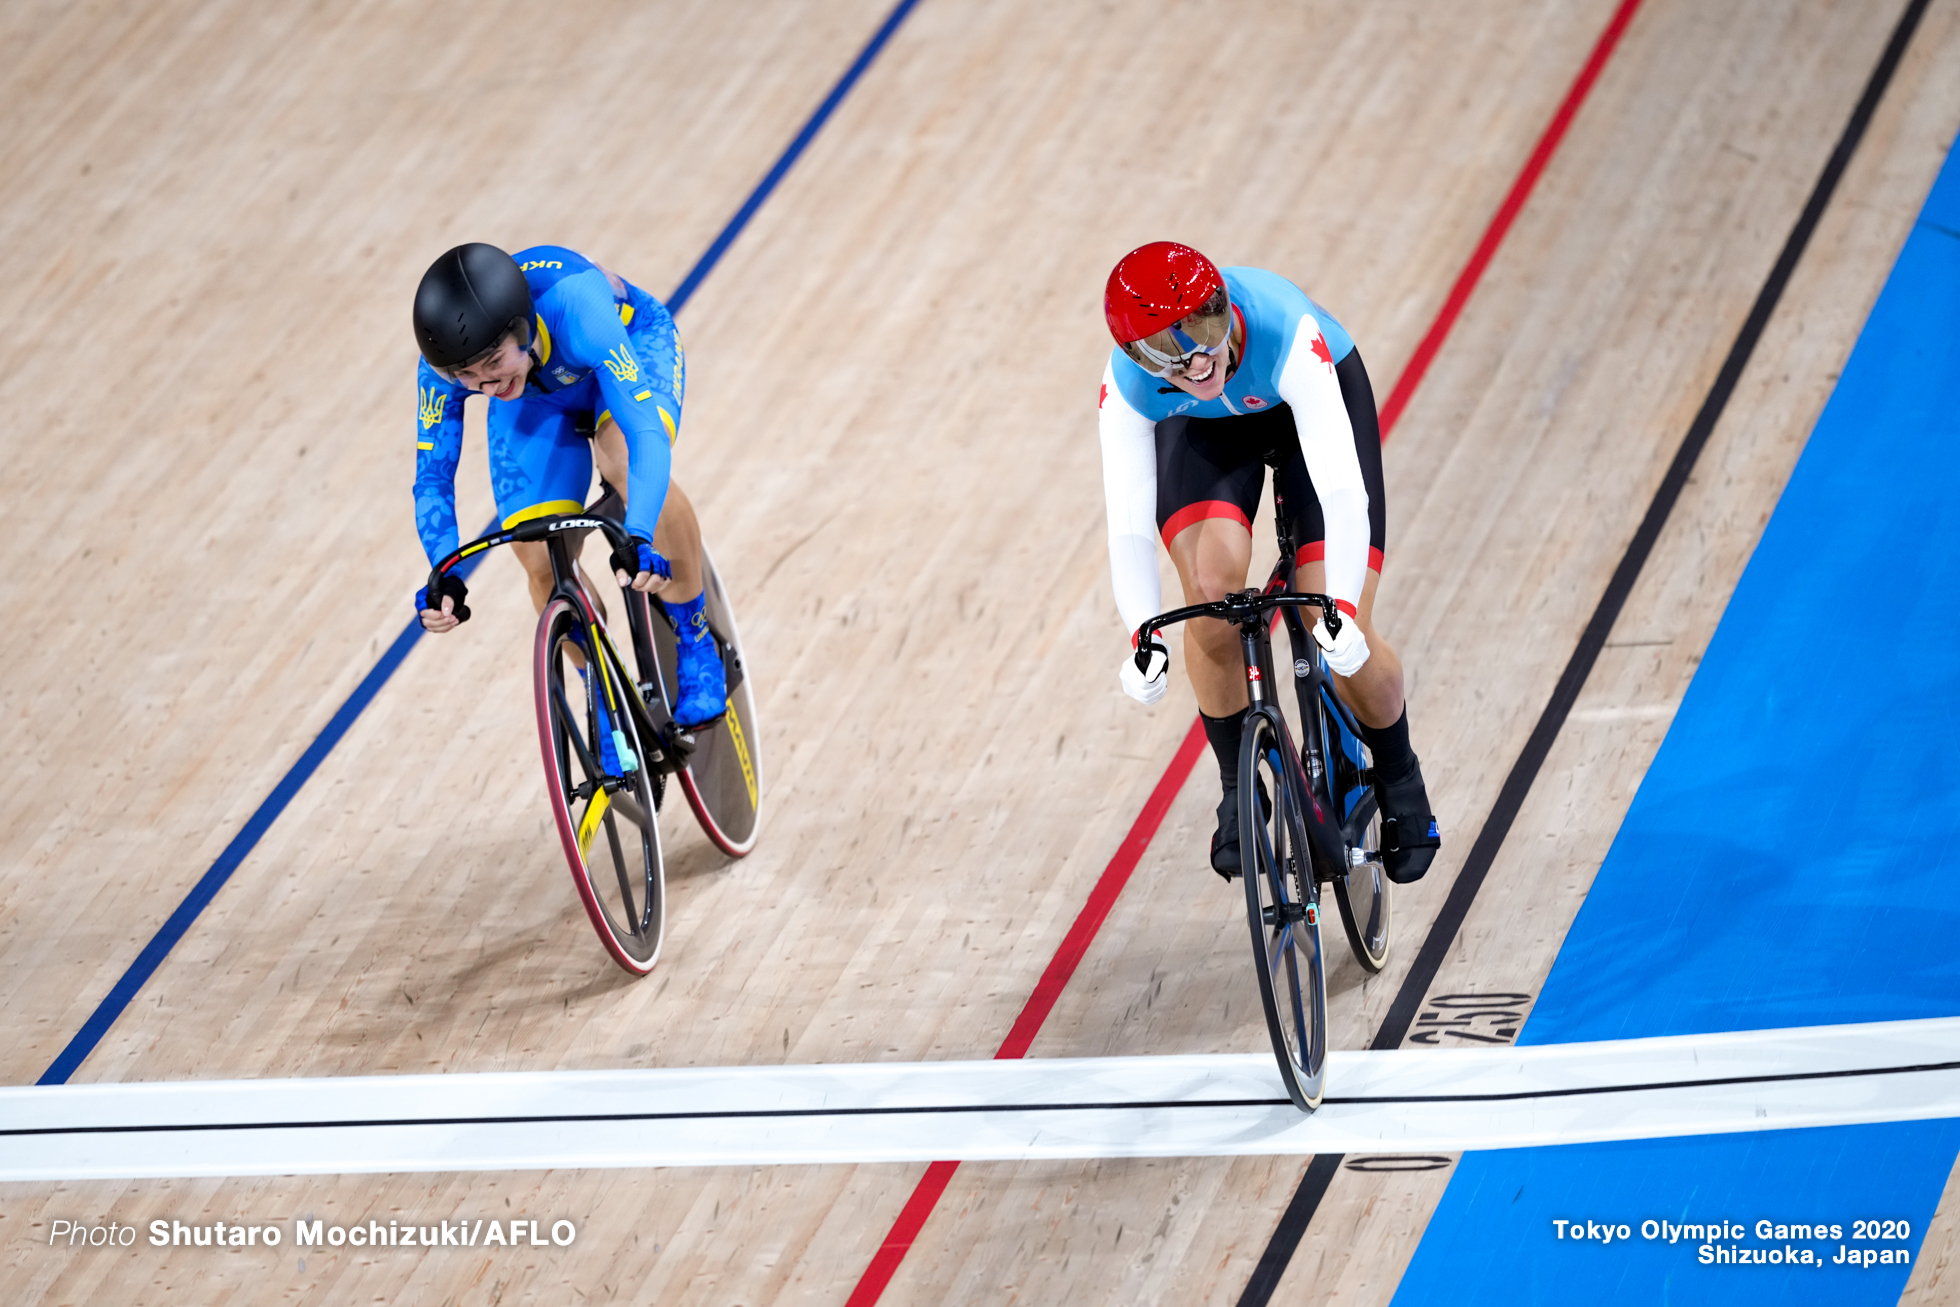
[(641, 376), (438, 449)]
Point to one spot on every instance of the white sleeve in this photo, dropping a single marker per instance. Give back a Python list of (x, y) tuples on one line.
[(1308, 385), (1129, 458)]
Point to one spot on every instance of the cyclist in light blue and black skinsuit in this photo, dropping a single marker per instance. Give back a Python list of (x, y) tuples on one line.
[(582, 366), (1215, 371)]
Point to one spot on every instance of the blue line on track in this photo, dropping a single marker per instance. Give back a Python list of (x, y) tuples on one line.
[(124, 991), (790, 156)]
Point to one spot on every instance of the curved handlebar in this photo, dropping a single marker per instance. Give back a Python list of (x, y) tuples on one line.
[(1239, 608), (536, 529)]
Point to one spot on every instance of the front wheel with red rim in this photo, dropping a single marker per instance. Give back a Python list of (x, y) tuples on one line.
[(607, 818)]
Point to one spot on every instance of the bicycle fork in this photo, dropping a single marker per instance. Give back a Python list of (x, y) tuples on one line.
[(1286, 910), (1325, 851)]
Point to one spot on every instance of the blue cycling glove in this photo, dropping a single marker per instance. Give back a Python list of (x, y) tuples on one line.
[(452, 586), (637, 556)]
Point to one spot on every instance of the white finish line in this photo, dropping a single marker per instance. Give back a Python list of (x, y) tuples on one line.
[(1405, 1101)]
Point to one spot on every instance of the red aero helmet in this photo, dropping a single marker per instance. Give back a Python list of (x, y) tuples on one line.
[(1164, 303), (1155, 286)]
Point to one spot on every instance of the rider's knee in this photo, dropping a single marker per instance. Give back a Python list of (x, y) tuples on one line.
[(1210, 589), (1218, 574), (535, 557)]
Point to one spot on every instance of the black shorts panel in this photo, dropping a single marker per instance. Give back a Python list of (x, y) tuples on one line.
[(1216, 467)]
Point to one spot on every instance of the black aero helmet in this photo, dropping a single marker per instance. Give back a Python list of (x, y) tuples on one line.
[(467, 300)]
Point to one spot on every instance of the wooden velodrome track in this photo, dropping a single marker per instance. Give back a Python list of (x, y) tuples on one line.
[(216, 214)]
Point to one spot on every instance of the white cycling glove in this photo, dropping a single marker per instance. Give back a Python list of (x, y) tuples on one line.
[(1147, 687), (1345, 652)]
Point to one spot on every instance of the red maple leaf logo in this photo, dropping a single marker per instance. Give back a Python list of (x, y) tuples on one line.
[(1102, 395), (1321, 351)]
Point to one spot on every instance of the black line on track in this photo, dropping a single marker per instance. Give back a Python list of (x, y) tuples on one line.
[(1510, 799), (948, 1109), (1292, 1225)]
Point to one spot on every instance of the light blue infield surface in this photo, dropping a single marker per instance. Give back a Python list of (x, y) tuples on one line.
[(1792, 859)]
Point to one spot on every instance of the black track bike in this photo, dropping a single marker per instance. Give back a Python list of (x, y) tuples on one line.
[(610, 743), (1308, 816)]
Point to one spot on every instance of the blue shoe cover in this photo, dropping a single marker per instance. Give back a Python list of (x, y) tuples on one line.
[(703, 680)]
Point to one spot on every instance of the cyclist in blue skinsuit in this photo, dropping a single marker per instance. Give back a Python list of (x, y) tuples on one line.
[(582, 367)]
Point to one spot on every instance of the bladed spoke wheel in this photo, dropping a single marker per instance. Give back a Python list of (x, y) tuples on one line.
[(1283, 908), (607, 820)]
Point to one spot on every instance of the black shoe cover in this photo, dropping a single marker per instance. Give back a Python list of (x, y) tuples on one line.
[(1225, 840), (1409, 835), (1225, 858)]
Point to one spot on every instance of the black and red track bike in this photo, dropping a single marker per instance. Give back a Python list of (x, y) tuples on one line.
[(1308, 816)]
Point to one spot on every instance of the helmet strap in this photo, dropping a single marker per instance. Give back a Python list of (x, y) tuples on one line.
[(1234, 344)]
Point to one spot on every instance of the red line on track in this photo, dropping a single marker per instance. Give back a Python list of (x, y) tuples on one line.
[(1040, 1003), (1103, 897), (912, 1218), (1473, 271)]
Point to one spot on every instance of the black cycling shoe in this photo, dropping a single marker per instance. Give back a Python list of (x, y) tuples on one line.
[(1225, 859), (1409, 835)]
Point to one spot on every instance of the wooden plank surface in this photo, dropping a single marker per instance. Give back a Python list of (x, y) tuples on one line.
[(220, 211), (1512, 935), (1530, 456)]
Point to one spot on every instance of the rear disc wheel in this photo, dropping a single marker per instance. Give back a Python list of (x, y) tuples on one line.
[(722, 774), (1366, 894)]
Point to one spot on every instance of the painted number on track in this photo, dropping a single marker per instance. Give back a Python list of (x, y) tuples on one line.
[(1472, 1018)]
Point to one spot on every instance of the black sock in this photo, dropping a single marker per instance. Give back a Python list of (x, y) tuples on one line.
[(1394, 759), (1224, 734)]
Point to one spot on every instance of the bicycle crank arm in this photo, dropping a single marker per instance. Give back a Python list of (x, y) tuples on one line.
[(629, 807)]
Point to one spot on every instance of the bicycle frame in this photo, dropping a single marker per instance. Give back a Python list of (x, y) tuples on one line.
[(664, 742), (1250, 611), (1344, 776), (1255, 612)]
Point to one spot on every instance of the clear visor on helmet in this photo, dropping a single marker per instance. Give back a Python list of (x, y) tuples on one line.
[(470, 371), (1162, 353)]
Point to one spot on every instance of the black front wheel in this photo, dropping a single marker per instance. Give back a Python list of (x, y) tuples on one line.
[(1283, 907)]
